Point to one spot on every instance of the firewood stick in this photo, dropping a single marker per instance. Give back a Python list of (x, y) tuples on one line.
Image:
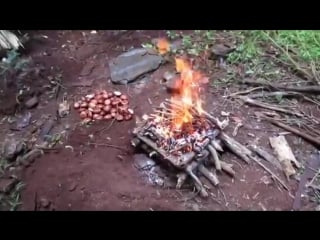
[(268, 106), (238, 149), (217, 145), (179, 162), (311, 139), (209, 175), (227, 167), (197, 183), (189, 169), (265, 155), (182, 177), (202, 190), (215, 157), (305, 89)]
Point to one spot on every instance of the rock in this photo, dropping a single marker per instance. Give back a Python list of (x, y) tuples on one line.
[(30, 157), (173, 82), (142, 162), (132, 65), (44, 202), (220, 51), (32, 102), (318, 208), (7, 184), (12, 148), (23, 121)]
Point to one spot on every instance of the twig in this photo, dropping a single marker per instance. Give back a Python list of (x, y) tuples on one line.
[(271, 173), (313, 179), (209, 175), (298, 132), (275, 94), (108, 145), (268, 106), (306, 89), (243, 92), (106, 128), (215, 157), (265, 155)]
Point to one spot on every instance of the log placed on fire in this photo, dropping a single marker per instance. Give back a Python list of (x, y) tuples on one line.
[(238, 149), (209, 175), (179, 162), (215, 157), (227, 167)]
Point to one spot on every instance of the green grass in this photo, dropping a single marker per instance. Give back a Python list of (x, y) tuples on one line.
[(303, 44)]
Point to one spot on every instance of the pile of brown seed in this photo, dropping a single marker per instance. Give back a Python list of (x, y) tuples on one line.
[(104, 105)]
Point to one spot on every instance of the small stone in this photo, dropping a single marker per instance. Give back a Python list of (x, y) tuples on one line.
[(251, 135), (73, 186), (266, 180), (32, 102), (7, 184), (44, 202), (173, 85)]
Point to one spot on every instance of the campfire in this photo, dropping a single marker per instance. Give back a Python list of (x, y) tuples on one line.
[(180, 132)]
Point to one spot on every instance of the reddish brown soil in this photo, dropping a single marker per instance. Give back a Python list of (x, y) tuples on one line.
[(103, 178)]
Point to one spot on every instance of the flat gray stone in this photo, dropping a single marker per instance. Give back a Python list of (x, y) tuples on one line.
[(132, 65)]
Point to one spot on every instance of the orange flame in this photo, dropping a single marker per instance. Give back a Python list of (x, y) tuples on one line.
[(163, 46), (189, 94)]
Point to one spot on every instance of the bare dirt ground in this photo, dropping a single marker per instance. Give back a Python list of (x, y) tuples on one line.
[(89, 177)]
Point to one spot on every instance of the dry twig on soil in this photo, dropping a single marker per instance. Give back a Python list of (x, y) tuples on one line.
[(311, 139), (305, 89)]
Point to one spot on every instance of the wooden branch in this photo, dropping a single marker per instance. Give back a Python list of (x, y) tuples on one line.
[(209, 175), (216, 143), (198, 184), (303, 89), (227, 167), (237, 148), (298, 132), (215, 157), (268, 106), (244, 92), (182, 177), (179, 162), (271, 173), (275, 94), (266, 156)]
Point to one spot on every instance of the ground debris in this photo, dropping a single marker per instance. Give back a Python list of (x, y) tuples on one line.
[(284, 154), (7, 184), (312, 165)]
